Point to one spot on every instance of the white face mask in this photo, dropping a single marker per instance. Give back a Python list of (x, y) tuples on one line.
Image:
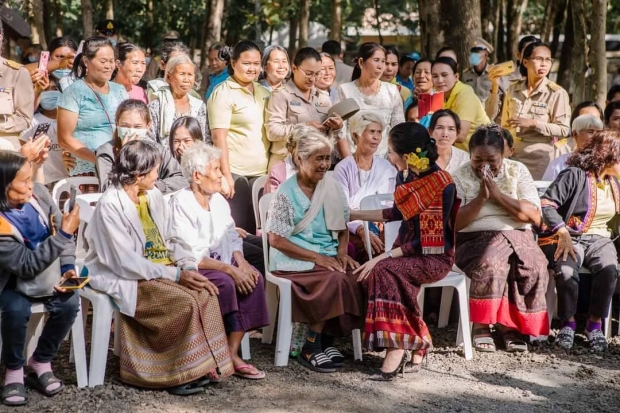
[(125, 133)]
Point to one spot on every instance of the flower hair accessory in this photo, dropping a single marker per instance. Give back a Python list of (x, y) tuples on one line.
[(418, 159)]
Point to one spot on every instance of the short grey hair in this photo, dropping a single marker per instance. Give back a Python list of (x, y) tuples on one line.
[(267, 56), (197, 158), (360, 123), (584, 122), (179, 60), (308, 142)]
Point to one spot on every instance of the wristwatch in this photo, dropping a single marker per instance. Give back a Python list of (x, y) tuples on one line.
[(388, 254)]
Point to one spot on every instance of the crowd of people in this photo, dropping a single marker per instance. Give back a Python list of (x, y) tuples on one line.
[(186, 271)]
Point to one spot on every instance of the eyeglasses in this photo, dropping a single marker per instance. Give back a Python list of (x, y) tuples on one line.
[(541, 60), (309, 75)]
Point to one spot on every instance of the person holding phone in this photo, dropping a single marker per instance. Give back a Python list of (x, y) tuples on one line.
[(34, 236), (299, 101), (133, 121)]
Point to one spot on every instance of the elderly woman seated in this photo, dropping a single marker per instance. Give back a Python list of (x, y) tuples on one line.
[(35, 244), (363, 174), (309, 237), (283, 170), (202, 215), (171, 329), (495, 246), (577, 213)]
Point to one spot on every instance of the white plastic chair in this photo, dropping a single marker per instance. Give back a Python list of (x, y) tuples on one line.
[(256, 187), (64, 185), (35, 329), (455, 278), (285, 323)]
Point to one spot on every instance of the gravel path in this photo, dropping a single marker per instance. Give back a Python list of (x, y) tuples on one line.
[(546, 379)]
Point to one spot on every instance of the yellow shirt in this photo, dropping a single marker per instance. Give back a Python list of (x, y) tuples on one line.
[(605, 211), (233, 107), (154, 249), (464, 102)]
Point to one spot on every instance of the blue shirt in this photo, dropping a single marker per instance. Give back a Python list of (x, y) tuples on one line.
[(408, 83), (215, 80)]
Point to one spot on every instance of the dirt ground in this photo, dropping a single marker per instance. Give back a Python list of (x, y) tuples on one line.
[(543, 380)]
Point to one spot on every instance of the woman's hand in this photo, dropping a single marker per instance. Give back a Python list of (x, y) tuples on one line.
[(32, 148), (242, 233), (484, 193), (347, 262), (228, 187), (244, 277), (376, 244), (494, 77), (66, 276), (71, 220), (334, 122), (523, 123), (493, 191), (129, 138), (319, 126), (197, 282), (42, 84), (68, 160), (565, 246), (329, 263), (366, 268)]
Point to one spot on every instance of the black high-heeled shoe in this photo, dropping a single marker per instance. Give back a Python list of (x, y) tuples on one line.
[(412, 367), (389, 376)]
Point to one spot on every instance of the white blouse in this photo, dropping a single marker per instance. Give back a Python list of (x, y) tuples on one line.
[(458, 158), (210, 234)]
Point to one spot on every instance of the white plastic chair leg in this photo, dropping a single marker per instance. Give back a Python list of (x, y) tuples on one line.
[(357, 344), (78, 352), (607, 321), (245, 347), (464, 326), (272, 307), (35, 328), (445, 306), (285, 328), (102, 319), (421, 295)]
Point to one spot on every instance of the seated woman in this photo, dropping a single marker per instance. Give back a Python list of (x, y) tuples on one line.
[(34, 239), (495, 246), (580, 204), (133, 121), (283, 170), (445, 126), (171, 330), (309, 237), (363, 174), (423, 252), (202, 215)]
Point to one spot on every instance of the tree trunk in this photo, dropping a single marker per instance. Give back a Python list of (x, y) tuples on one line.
[(559, 15), (486, 19), (514, 12), (87, 18), (500, 46), (432, 35), (579, 65), (567, 51), (547, 24), (35, 17), (463, 26), (109, 9), (214, 23), (496, 21), (292, 35), (597, 57), (378, 20), (58, 28), (335, 32), (304, 23)]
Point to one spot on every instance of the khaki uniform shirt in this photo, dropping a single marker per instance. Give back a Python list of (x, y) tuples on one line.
[(16, 100), (288, 107)]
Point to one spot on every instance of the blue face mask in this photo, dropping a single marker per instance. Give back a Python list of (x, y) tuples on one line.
[(113, 41), (49, 99), (60, 73), (32, 59), (475, 59)]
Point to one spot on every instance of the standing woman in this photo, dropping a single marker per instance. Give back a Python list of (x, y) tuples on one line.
[(423, 252), (87, 108), (299, 101), (372, 95), (131, 65), (236, 112), (218, 66), (536, 111), (391, 71), (459, 98), (276, 67), (324, 83)]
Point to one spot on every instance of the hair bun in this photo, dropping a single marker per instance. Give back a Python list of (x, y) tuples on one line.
[(225, 53)]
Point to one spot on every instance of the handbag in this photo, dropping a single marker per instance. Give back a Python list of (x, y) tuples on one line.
[(43, 284)]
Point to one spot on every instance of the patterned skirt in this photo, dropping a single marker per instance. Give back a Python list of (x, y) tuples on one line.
[(393, 316), (509, 279), (176, 336)]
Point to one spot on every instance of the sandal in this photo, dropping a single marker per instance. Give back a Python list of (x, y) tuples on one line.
[(213, 377), (336, 356), (566, 338), (14, 390), (514, 342), (317, 362), (412, 367), (252, 376), (482, 336), (597, 339), (42, 382), (188, 388)]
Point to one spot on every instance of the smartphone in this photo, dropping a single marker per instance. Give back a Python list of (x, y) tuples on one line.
[(75, 283), (41, 130), (504, 69), (72, 195), (44, 60)]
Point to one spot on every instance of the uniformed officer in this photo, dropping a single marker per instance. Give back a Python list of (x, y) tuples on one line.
[(298, 102), (16, 98), (537, 112), (477, 75)]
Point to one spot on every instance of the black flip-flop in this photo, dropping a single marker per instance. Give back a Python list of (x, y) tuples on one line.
[(196, 386), (14, 390), (41, 383), (318, 362)]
